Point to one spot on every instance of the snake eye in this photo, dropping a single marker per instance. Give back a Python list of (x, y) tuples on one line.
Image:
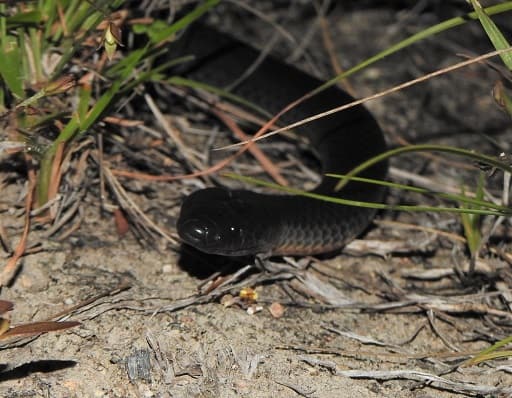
[(193, 232)]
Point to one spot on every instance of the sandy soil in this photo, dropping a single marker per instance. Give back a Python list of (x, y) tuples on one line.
[(143, 341)]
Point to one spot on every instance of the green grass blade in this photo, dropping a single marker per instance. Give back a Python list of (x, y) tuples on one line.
[(43, 178), (25, 18), (491, 161), (372, 205), (11, 65), (498, 40), (84, 98), (106, 99), (433, 30), (490, 356), (471, 222), (182, 23), (35, 46), (443, 195), (484, 354), (153, 74)]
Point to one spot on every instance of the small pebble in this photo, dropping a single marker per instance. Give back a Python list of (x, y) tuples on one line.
[(167, 269), (253, 309), (276, 310)]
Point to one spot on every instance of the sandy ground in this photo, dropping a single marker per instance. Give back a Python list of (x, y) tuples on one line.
[(143, 341)]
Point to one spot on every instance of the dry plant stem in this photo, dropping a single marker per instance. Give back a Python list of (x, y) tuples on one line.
[(236, 276), (5, 306), (148, 177), (383, 356), (255, 65), (424, 182), (165, 367), (77, 199), (42, 209), (224, 107), (223, 163), (62, 19), (201, 171), (283, 32), (122, 122), (409, 340), (414, 375), (172, 133), (4, 240), (329, 47), (148, 229), (401, 225), (261, 133), (505, 256), (367, 340), (299, 50), (212, 282), (432, 321), (506, 189), (399, 351), (73, 228), (13, 264), (384, 248), (35, 329), (103, 193), (206, 101), (298, 390), (320, 289), (66, 313), (265, 162), (56, 175), (463, 308), (229, 285)]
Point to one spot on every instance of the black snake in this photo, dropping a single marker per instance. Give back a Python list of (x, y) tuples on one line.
[(241, 222)]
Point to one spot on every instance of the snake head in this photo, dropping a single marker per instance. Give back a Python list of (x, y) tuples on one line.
[(220, 221)]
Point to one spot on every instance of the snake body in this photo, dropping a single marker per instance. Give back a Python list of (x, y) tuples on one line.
[(241, 222)]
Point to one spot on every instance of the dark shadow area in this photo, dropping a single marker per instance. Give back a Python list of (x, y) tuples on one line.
[(201, 265), (41, 366), (14, 164)]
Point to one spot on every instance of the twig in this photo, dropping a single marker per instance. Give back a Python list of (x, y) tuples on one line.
[(261, 133), (423, 377), (12, 265), (265, 162), (301, 391)]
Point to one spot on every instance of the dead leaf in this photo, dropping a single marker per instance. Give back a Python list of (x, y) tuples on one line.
[(31, 329)]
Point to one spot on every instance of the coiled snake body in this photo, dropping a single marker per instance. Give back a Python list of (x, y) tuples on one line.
[(241, 222)]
